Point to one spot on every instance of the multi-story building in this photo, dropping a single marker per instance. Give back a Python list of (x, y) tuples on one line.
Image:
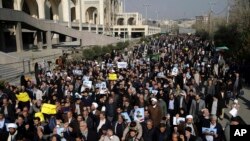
[(47, 22)]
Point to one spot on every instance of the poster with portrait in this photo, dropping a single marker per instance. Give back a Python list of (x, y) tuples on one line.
[(126, 117), (177, 121), (209, 131), (139, 114)]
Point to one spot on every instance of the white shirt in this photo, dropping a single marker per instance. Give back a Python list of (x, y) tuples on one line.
[(171, 105), (2, 123), (102, 122), (39, 94)]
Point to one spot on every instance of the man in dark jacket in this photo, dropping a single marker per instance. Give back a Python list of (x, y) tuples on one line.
[(149, 131), (163, 133)]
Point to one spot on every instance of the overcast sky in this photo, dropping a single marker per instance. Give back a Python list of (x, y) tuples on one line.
[(175, 9)]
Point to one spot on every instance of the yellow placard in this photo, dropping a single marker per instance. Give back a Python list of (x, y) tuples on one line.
[(48, 109), (23, 97), (40, 115), (112, 76)]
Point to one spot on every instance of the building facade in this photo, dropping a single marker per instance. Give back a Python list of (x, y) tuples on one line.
[(98, 16)]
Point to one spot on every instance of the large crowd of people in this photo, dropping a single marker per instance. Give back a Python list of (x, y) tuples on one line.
[(168, 88)]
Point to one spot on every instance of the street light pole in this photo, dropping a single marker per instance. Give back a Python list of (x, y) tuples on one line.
[(146, 10), (80, 18), (125, 23)]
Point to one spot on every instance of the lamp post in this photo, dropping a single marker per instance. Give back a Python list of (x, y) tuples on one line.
[(80, 18), (124, 36), (146, 10)]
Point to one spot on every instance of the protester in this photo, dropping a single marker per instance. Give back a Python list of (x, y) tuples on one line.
[(167, 76)]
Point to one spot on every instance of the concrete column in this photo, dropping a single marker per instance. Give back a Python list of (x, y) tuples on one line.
[(2, 38), (83, 11), (67, 15), (1, 3), (89, 28), (19, 37), (39, 39), (97, 29), (101, 12), (77, 7), (41, 8), (54, 5), (80, 14), (129, 33), (18, 4), (66, 10), (48, 40)]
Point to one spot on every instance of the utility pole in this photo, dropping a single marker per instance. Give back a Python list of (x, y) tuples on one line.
[(80, 18), (228, 10), (157, 16), (125, 22), (146, 10), (210, 24)]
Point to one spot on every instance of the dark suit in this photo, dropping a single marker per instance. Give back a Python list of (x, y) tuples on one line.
[(91, 136), (193, 107), (11, 111)]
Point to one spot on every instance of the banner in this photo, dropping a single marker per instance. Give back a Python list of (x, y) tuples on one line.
[(48, 109), (40, 115), (112, 76), (121, 65), (139, 115), (23, 97)]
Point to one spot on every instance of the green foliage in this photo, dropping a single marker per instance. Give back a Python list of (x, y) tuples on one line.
[(96, 52), (229, 36), (2, 82), (203, 34)]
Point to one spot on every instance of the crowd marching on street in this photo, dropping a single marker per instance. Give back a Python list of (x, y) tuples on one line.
[(168, 88)]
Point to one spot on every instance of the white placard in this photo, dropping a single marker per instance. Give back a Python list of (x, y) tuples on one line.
[(139, 115), (175, 71), (233, 112), (154, 92), (121, 65), (126, 117), (176, 121), (101, 85), (77, 72), (161, 75), (87, 84), (85, 78)]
